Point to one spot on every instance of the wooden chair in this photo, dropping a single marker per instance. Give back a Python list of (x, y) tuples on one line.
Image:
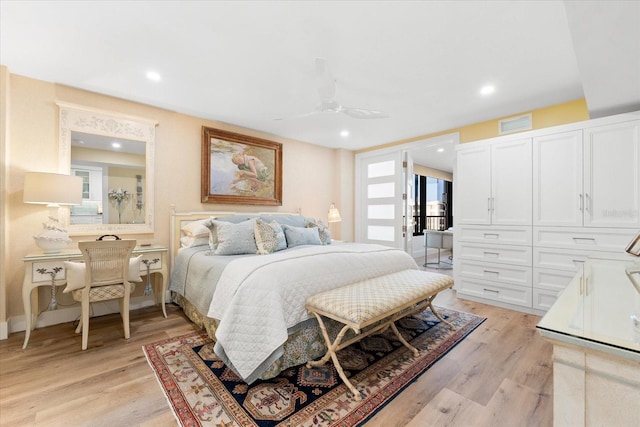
[(106, 278)]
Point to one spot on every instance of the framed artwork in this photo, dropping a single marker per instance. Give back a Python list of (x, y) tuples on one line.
[(240, 169)]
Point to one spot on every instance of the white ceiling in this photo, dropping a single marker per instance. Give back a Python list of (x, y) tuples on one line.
[(249, 62)]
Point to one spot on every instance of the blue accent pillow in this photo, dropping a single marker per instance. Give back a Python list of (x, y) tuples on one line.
[(235, 239), (297, 236)]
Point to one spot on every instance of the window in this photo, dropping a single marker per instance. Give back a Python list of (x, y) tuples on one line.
[(432, 204)]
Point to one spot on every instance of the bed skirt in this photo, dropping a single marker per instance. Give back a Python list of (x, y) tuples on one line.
[(304, 344)]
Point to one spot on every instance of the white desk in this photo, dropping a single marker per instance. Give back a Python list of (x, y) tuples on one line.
[(155, 256), (439, 240)]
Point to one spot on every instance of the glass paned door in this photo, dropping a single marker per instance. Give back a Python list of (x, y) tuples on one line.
[(379, 192)]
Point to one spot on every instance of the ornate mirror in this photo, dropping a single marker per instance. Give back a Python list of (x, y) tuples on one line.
[(113, 154)]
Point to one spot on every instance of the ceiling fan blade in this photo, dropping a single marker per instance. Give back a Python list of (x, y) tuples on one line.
[(361, 113), (325, 82), (297, 116)]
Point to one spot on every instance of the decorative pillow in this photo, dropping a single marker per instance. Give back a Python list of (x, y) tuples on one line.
[(213, 233), (323, 231), (297, 236), (235, 239), (75, 273), (197, 228), (269, 237), (189, 241)]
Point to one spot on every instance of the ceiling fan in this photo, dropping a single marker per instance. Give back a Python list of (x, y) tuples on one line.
[(326, 85)]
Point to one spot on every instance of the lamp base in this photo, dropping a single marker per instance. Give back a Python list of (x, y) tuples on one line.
[(52, 241)]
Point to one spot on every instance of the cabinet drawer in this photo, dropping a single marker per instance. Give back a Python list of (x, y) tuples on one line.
[(504, 235), (48, 266), (516, 295), (543, 299), (553, 280), (600, 239), (154, 260), (518, 255), (560, 259), (501, 273)]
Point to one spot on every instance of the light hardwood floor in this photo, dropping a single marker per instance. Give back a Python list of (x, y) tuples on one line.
[(500, 375)]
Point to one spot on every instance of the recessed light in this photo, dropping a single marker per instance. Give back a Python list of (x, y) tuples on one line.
[(344, 133), (153, 76), (487, 89), (440, 150), (115, 145)]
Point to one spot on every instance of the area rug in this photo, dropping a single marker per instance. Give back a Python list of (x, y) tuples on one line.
[(202, 391)]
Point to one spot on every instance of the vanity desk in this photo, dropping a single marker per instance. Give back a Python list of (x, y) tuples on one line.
[(43, 269), (594, 327)]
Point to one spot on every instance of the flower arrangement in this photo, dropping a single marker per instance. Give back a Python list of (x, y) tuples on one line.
[(118, 196)]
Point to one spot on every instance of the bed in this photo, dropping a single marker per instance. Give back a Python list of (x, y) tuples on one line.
[(252, 304)]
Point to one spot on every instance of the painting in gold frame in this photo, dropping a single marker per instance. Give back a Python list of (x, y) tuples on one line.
[(240, 169)]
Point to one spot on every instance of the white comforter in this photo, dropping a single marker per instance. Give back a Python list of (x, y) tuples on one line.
[(258, 299)]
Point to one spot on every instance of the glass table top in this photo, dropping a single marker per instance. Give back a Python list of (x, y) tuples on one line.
[(600, 306)]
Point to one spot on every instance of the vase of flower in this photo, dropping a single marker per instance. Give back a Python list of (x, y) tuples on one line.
[(118, 197)]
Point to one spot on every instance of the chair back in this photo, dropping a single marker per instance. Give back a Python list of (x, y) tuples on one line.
[(107, 261)]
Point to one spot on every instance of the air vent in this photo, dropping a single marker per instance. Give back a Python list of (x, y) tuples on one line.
[(515, 124)]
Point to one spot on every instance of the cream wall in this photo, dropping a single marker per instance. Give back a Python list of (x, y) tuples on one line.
[(553, 115), (4, 206), (313, 176)]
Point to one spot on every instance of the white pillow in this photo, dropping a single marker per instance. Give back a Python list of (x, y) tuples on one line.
[(197, 228), (75, 273), (190, 241)]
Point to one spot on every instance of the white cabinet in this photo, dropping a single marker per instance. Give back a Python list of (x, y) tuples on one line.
[(557, 179), (493, 184), (91, 182), (493, 222), (612, 175), (531, 208), (473, 185), (588, 177)]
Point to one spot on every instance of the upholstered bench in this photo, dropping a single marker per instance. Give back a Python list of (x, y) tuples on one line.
[(376, 303)]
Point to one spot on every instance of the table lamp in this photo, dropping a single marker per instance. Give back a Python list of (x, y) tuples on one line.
[(53, 190), (334, 214)]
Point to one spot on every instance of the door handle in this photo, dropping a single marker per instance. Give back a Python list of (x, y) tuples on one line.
[(580, 202), (587, 202)]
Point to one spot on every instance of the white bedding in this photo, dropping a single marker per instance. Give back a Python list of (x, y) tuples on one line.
[(259, 299)]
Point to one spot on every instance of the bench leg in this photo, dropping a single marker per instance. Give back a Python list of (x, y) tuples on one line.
[(433, 310), (331, 353), (403, 341)]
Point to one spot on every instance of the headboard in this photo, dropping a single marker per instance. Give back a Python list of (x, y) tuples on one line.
[(180, 219)]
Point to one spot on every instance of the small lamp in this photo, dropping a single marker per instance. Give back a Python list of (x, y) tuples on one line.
[(334, 214), (53, 190)]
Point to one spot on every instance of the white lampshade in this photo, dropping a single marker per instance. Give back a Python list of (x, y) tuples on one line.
[(52, 189), (334, 214)]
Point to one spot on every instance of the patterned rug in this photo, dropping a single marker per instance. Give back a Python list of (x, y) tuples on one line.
[(202, 391)]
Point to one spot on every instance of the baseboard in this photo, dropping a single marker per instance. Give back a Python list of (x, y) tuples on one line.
[(4, 330), (70, 314)]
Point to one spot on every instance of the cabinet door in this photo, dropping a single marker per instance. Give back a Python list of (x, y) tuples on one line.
[(473, 186), (612, 175), (511, 183), (557, 179)]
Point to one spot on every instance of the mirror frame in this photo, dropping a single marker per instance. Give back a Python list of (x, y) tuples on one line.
[(106, 123)]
